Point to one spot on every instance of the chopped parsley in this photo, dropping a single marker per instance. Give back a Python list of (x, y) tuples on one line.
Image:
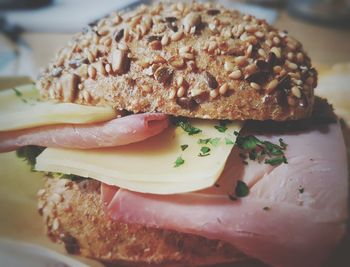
[(242, 190), (222, 127), (184, 147), (301, 189), (266, 208), (29, 154), (204, 151), (64, 176), (212, 141), (276, 161), (203, 141), (259, 150), (178, 162), (228, 141), (187, 127), (18, 93)]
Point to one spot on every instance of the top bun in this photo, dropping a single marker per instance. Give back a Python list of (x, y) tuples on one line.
[(192, 60)]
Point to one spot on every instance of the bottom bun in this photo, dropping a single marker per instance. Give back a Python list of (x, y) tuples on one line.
[(73, 215)]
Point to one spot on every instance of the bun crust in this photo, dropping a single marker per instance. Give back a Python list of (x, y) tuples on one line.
[(193, 60), (74, 216)]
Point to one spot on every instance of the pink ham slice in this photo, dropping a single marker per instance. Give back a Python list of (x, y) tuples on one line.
[(294, 215), (120, 131)]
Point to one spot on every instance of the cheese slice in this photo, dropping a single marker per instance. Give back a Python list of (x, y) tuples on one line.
[(148, 166), (21, 108)]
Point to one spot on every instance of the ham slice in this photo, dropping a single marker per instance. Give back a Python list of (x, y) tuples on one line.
[(294, 215), (120, 131)]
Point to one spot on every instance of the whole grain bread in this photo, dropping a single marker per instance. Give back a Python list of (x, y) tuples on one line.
[(193, 60), (73, 215)]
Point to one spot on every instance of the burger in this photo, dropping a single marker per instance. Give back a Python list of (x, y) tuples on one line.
[(183, 135)]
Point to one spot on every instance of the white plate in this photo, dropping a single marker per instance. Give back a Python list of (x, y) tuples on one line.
[(17, 254)]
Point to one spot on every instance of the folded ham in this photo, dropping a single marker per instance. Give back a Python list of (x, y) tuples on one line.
[(120, 131), (294, 214)]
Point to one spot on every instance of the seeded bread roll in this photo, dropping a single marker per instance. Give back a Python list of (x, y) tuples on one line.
[(73, 214), (193, 60)]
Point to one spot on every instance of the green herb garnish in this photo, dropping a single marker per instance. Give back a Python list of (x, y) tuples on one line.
[(228, 141), (276, 161), (301, 189), (259, 150), (204, 151), (203, 141), (183, 147), (212, 141), (29, 154), (266, 208), (187, 127), (178, 162), (242, 189), (18, 93), (59, 175), (222, 127)]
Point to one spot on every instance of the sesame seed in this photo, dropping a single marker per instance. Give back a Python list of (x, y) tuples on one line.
[(86, 96), (271, 86), (179, 80), (277, 69), (89, 55), (262, 52), (212, 46), (229, 66), (172, 94), (276, 40), (180, 92), (300, 57), (290, 56), (80, 86), (235, 74), (250, 28), (103, 32), (108, 68), (223, 89), (177, 36), (165, 40), (41, 192), (107, 42), (123, 46), (241, 60), (184, 49), (55, 224), (214, 93), (259, 34), (291, 65), (188, 56), (249, 50), (250, 68), (296, 91), (255, 86), (269, 43), (92, 72), (276, 51)]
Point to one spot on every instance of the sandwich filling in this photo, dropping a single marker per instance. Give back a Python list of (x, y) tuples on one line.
[(277, 193)]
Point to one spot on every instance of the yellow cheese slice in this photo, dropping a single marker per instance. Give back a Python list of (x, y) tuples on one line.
[(148, 166), (20, 108)]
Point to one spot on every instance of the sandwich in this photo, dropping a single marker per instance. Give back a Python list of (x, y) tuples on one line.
[(183, 135)]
